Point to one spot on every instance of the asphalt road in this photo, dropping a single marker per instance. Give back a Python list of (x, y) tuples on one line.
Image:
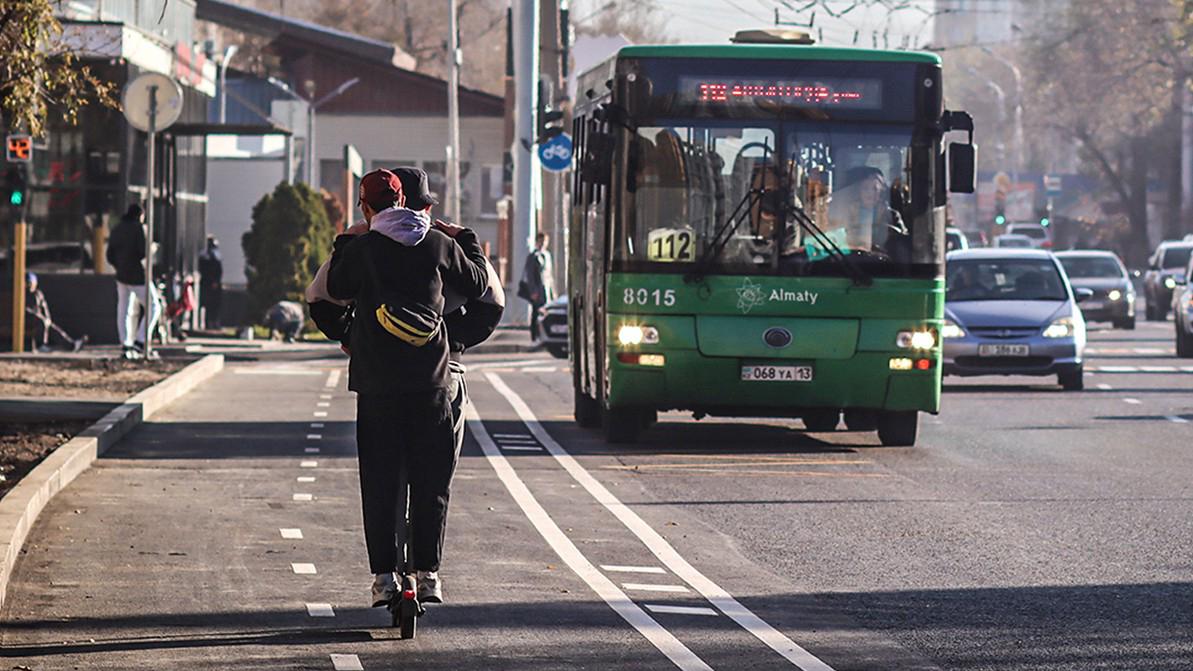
[(1030, 529)]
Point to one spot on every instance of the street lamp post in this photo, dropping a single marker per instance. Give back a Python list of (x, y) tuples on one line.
[(1018, 151), (228, 54), (313, 105)]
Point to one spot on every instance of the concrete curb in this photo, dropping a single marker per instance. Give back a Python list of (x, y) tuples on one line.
[(21, 506)]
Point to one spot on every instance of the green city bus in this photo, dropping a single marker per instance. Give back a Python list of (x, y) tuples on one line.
[(757, 230)]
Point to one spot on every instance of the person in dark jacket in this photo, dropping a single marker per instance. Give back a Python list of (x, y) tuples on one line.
[(126, 254), (537, 285), (211, 282), (403, 399)]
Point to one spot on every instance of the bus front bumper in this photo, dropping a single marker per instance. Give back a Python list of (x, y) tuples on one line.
[(688, 380)]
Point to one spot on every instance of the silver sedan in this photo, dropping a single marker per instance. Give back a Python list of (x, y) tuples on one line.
[(1012, 312)]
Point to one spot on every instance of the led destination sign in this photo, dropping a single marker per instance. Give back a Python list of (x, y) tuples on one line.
[(858, 94)]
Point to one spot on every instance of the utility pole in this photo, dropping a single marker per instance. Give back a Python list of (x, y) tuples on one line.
[(150, 203), (526, 38), (552, 88), (455, 59)]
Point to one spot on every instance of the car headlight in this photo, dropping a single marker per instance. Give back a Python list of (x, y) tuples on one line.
[(1114, 294), (1061, 328), (630, 335), (951, 330), (1169, 282), (915, 339)]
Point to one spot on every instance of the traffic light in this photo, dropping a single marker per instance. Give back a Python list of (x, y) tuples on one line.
[(1000, 211), (1044, 221), (15, 187), (550, 120)]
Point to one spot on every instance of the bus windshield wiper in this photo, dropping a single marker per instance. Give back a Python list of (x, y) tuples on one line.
[(725, 233), (859, 277)]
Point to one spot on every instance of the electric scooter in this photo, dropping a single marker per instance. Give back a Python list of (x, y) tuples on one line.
[(405, 608)]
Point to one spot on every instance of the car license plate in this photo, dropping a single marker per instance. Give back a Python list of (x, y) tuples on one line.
[(559, 329), (776, 373), (1003, 350), (1092, 305)]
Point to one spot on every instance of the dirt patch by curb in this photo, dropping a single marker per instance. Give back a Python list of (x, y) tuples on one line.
[(23, 446), (105, 379)]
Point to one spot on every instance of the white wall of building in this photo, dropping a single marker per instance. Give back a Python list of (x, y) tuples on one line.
[(234, 186)]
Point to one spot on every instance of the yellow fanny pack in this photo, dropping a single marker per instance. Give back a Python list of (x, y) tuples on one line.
[(409, 323)]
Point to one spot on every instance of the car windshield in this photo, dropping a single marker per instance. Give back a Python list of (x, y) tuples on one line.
[(1004, 280), (1176, 257), (1091, 266)]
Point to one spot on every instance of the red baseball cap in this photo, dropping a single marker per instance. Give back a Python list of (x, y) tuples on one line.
[(381, 189)]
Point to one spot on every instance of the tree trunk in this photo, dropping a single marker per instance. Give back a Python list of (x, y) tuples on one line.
[(1138, 246)]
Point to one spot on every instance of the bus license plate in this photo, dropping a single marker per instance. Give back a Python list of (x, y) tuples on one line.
[(1004, 350), (776, 373)]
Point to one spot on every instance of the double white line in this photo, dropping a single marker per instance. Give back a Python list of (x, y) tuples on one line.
[(662, 639)]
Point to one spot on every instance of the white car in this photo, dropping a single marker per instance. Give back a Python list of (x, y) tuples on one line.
[(1014, 240), (1040, 236)]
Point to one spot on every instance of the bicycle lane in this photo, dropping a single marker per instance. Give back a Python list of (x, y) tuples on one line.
[(226, 534), (681, 574)]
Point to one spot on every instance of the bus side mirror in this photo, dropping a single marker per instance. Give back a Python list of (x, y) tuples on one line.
[(963, 167)]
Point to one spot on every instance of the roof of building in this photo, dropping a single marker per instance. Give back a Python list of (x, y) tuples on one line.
[(268, 24)]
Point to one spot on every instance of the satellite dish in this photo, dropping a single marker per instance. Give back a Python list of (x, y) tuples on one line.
[(136, 101)]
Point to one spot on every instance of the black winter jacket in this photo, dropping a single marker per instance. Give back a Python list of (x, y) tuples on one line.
[(381, 364), (126, 251)]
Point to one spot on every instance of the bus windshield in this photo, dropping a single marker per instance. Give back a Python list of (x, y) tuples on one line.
[(784, 197)]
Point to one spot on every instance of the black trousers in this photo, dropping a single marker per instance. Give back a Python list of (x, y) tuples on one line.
[(413, 432)]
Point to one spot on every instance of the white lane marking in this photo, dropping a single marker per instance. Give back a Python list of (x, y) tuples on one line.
[(333, 378), (304, 497), (1132, 401), (308, 464), (679, 610), (665, 641), (314, 436), (1187, 369), (323, 404), (346, 663), (517, 441), (632, 569), (522, 448), (1150, 350), (320, 414), (538, 369), (1105, 387), (316, 425), (1118, 369), (292, 534), (1177, 419), (724, 601), (274, 371), (1158, 369), (305, 478), (499, 436), (325, 397), (646, 587), (320, 610), (303, 569), (311, 450)]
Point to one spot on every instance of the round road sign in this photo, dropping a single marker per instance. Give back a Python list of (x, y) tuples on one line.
[(556, 153), (137, 102)]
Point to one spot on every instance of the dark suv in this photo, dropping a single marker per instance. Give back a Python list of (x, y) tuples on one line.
[(1168, 261)]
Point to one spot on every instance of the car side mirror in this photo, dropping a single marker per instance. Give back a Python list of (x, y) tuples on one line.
[(1083, 294)]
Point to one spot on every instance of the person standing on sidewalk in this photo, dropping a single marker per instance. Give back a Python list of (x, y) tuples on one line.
[(211, 283), (537, 285), (126, 254), (398, 368)]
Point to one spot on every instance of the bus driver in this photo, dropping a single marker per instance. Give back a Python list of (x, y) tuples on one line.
[(859, 216)]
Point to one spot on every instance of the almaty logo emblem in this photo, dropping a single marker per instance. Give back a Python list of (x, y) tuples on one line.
[(749, 296)]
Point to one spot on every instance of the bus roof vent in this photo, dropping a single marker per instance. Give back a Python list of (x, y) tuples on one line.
[(772, 36)]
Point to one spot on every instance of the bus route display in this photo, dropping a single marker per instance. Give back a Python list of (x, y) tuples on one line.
[(857, 94)]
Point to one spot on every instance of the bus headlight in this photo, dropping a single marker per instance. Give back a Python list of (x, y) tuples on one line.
[(915, 339), (630, 335), (951, 330), (1169, 282), (1061, 328), (1114, 294)]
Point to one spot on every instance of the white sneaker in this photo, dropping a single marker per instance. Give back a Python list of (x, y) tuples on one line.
[(430, 590), (385, 588)]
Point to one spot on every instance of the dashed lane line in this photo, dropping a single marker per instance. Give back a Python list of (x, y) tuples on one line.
[(346, 662), (522, 448), (1132, 401), (291, 534), (320, 610), (1105, 387), (663, 609), (316, 425), (305, 478), (303, 497), (308, 464), (314, 436), (610, 593), (500, 436), (647, 587), (1176, 419), (333, 378), (633, 569), (670, 558), (303, 568), (310, 450), (321, 414)]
